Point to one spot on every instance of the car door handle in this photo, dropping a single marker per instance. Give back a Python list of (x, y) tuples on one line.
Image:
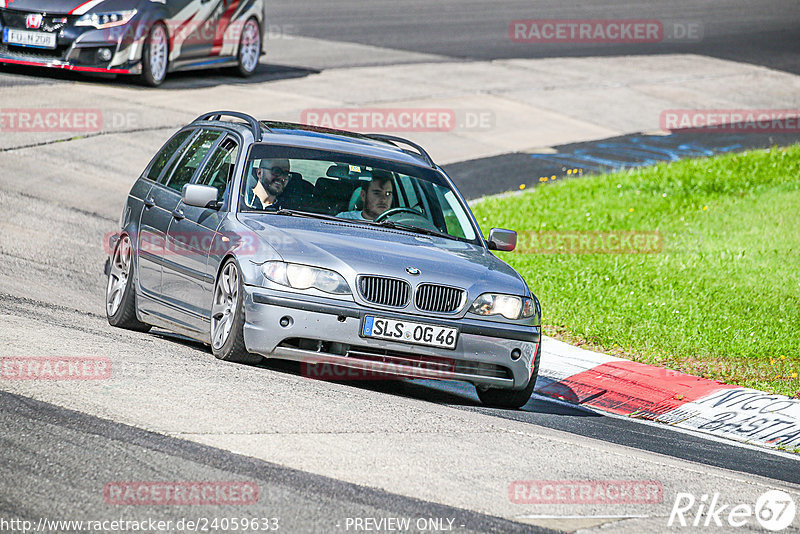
[(178, 214), (149, 203)]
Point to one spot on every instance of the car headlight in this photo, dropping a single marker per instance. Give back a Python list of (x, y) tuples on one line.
[(106, 20), (305, 277), (509, 306)]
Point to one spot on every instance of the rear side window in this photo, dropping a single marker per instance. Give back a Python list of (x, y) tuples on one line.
[(219, 169), (165, 154), (191, 159)]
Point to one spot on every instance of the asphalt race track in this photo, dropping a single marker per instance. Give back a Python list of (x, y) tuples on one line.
[(318, 503), (336, 456), (761, 32)]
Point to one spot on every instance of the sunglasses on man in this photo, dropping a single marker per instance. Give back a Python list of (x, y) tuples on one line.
[(277, 172)]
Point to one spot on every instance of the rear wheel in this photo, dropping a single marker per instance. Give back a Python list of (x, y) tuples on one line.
[(249, 48), (227, 317), (120, 291), (512, 399), (155, 56)]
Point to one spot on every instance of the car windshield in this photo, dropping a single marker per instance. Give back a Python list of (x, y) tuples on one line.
[(356, 189)]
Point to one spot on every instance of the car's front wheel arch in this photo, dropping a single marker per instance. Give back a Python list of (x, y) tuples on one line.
[(121, 308), (156, 45), (512, 399), (249, 48), (227, 317)]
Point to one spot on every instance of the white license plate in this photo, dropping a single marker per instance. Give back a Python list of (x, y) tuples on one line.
[(26, 38), (430, 335)]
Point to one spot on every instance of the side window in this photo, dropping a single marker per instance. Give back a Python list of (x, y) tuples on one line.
[(191, 159), (163, 157), (219, 169)]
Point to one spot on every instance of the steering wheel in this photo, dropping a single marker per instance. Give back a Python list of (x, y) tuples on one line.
[(394, 211)]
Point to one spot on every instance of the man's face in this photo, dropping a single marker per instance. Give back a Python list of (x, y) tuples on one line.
[(377, 198), (273, 175)]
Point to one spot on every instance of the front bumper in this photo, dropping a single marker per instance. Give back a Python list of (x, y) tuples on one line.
[(76, 47), (326, 331), (58, 64)]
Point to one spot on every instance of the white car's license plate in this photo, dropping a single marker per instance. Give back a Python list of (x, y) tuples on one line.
[(431, 335), (26, 38)]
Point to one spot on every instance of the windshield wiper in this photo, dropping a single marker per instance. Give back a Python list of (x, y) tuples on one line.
[(412, 228), (296, 213), (384, 224)]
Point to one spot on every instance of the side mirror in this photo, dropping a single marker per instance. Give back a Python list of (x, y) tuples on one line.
[(201, 196), (504, 240)]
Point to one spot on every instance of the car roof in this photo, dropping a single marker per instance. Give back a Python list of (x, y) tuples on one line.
[(321, 138)]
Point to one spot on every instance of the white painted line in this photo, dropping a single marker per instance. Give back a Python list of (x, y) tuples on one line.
[(622, 516), (561, 360), (678, 429), (735, 414)]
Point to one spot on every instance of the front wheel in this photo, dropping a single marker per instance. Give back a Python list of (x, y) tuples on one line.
[(120, 291), (512, 399), (227, 317), (249, 48), (155, 56)]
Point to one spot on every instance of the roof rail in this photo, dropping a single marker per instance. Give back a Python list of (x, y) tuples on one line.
[(255, 126), (394, 140)]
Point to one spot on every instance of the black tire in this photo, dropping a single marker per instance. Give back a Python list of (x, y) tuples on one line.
[(233, 348), (147, 76), (125, 314), (512, 399), (242, 69)]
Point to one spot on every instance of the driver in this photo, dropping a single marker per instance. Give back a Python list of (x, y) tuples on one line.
[(376, 198), (272, 177)]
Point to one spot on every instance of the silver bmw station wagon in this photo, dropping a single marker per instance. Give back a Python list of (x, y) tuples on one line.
[(279, 240)]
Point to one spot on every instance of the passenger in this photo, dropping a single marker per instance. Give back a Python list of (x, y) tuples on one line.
[(376, 198), (272, 177)]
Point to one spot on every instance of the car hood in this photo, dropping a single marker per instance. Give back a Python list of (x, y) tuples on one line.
[(63, 7), (353, 249)]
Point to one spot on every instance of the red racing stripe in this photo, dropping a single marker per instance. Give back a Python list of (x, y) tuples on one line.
[(219, 34), (631, 388), (84, 7), (66, 67), (178, 31)]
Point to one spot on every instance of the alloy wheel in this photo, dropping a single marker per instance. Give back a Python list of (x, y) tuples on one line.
[(159, 48), (118, 277), (250, 46), (226, 302)]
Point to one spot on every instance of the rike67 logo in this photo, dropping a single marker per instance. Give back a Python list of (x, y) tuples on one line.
[(774, 510)]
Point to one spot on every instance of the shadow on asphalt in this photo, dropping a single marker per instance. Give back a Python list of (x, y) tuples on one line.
[(452, 393), (436, 391), (194, 79), (546, 413)]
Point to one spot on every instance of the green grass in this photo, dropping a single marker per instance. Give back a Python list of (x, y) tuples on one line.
[(721, 300)]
